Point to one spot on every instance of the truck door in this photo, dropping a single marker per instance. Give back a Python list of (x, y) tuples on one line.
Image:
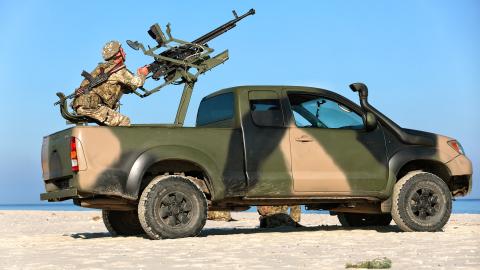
[(267, 145), (332, 153)]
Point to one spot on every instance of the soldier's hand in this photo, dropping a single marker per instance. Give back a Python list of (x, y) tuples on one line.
[(79, 92), (143, 71)]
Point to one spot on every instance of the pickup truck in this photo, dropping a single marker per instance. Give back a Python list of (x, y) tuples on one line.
[(259, 145)]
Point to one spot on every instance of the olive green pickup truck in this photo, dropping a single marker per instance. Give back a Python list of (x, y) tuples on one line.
[(259, 145)]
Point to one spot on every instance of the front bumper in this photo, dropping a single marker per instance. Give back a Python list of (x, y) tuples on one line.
[(59, 195), (460, 165), (461, 171)]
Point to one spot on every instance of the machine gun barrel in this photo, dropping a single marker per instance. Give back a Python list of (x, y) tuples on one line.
[(223, 28)]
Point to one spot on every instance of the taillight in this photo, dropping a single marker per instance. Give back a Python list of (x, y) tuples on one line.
[(456, 146), (73, 154)]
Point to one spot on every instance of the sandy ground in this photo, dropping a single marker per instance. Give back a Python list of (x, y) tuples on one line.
[(78, 240)]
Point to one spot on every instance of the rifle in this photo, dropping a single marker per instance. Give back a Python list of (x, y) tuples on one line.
[(92, 82)]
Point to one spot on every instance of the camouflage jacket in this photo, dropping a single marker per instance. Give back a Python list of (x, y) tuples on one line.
[(110, 92)]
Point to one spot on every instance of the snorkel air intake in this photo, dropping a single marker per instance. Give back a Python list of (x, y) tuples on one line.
[(400, 133)]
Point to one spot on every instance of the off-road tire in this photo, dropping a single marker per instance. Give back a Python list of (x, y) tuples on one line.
[(172, 207), (122, 223), (364, 220), (421, 201)]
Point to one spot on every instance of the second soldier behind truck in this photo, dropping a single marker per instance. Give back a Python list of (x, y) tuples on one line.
[(102, 102)]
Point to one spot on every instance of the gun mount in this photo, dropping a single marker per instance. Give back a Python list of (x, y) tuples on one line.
[(175, 62)]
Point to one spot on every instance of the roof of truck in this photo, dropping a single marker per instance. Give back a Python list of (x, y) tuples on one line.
[(236, 89)]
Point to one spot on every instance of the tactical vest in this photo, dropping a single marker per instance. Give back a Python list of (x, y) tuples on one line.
[(100, 93)]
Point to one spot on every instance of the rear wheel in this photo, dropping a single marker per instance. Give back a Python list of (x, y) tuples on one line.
[(364, 220), (421, 202), (172, 207), (122, 223)]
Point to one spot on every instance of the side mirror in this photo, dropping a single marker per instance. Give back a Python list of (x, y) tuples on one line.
[(370, 121)]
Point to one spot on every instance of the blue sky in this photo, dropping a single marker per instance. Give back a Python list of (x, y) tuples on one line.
[(420, 59)]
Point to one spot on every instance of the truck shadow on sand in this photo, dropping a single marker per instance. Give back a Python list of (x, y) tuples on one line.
[(235, 231)]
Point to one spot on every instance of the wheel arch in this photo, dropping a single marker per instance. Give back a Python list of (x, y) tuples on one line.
[(427, 160), (171, 159), (426, 165)]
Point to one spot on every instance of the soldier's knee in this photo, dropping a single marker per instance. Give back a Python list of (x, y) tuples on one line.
[(116, 119), (125, 121)]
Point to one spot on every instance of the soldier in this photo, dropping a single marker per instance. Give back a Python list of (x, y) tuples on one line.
[(102, 102), (219, 216), (275, 216)]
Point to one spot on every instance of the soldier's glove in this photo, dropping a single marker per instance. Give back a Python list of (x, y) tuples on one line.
[(143, 71), (79, 91)]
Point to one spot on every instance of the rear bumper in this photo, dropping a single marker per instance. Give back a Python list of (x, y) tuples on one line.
[(59, 195)]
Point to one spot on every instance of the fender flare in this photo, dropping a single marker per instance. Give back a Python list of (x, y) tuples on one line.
[(170, 152), (402, 157)]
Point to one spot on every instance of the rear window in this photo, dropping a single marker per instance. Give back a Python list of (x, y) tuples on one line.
[(215, 109), (266, 112)]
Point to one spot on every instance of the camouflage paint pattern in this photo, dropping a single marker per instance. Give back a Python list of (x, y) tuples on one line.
[(243, 160)]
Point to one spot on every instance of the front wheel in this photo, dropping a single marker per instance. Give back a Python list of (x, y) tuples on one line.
[(421, 202), (172, 207), (364, 220)]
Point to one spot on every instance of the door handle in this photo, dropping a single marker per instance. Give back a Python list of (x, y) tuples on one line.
[(304, 138)]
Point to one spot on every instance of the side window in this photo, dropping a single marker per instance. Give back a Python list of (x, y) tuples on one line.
[(216, 109), (266, 112), (315, 111)]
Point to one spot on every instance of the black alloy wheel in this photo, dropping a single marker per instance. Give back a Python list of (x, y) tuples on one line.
[(174, 209), (423, 203)]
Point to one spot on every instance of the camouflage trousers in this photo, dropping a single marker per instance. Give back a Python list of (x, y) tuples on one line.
[(275, 216), (219, 215), (105, 115)]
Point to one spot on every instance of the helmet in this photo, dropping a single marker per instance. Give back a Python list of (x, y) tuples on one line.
[(110, 49)]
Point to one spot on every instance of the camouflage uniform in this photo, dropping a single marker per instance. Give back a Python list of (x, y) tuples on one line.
[(219, 215), (275, 216), (102, 102)]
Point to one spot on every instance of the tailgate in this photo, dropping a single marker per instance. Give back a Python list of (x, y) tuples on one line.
[(56, 163)]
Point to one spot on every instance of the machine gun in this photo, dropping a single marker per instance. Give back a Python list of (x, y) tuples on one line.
[(174, 64), (185, 52)]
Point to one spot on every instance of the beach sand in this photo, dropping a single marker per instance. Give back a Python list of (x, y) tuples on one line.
[(79, 240)]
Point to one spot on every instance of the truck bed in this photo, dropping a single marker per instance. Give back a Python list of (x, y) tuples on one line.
[(109, 157)]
